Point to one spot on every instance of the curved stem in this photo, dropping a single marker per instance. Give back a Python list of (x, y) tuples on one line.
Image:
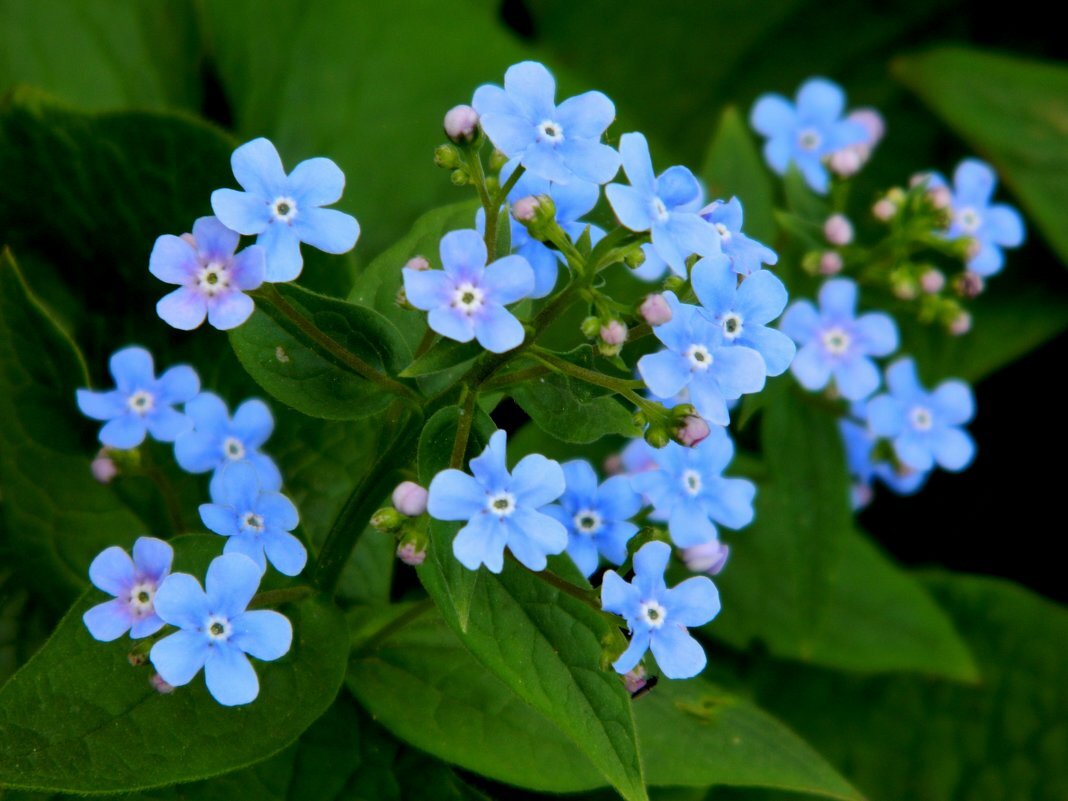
[(620, 385), (463, 428)]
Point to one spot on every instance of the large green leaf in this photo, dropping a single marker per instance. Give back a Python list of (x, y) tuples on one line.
[(78, 718), (1013, 112), (41, 446), (733, 166)]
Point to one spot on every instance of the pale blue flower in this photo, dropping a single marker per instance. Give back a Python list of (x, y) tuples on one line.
[(216, 632), (285, 210), (863, 469), (133, 583), (558, 143), (502, 509), (140, 404), (746, 255), (658, 617)]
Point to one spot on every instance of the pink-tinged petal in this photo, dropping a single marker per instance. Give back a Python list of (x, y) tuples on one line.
[(214, 240), (108, 621)]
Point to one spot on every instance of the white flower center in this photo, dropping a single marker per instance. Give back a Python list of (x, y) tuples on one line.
[(723, 231), (142, 596), (699, 357), (502, 504), (213, 278), (921, 418), (284, 208), (732, 326), (141, 402), (660, 211), (836, 341), (588, 521), (218, 628), (550, 131), (969, 219), (468, 298), (653, 614), (251, 521), (691, 482), (234, 449), (809, 139)]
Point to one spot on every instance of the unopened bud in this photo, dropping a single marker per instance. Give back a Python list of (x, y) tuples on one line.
[(634, 258), (905, 288), (846, 162), (526, 209), (830, 263), (657, 437), (635, 680), (401, 299), (189, 239), (409, 499), (655, 310), (961, 324), (838, 230), (591, 327), (613, 333), (871, 121), (460, 177), (411, 554), (497, 160), (884, 209), (161, 685), (932, 281), (939, 197), (709, 557), (972, 248), (103, 466), (613, 465), (461, 123), (693, 430), (137, 658), (969, 284), (417, 263), (387, 520), (448, 157)]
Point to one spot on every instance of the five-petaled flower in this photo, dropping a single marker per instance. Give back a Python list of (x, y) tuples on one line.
[(140, 403), (861, 461), (746, 255), (558, 143), (924, 427), (658, 617), (216, 632), (212, 279), (836, 343), (134, 583), (285, 210), (597, 518), (501, 508), (254, 522), (466, 300), (688, 490)]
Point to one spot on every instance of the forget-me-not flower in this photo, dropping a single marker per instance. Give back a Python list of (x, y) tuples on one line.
[(702, 360), (993, 226), (836, 343), (466, 300), (744, 310), (666, 205), (140, 402), (806, 132), (217, 441), (501, 508), (134, 583), (285, 210), (216, 632), (212, 278), (658, 617), (254, 522), (924, 427), (689, 491), (746, 255), (860, 452), (558, 143), (597, 518)]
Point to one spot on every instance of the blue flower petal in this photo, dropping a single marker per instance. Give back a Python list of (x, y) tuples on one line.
[(677, 186), (856, 378), (886, 416), (179, 657), (316, 182), (132, 369), (589, 161), (545, 533), (166, 425), (264, 634), (279, 510), (902, 379), (173, 260), (490, 467), (230, 677), (179, 384), (229, 310), (329, 230), (282, 246), (231, 582), (694, 602), (197, 452), (285, 552), (639, 644), (184, 308), (810, 366), (451, 323), (248, 545), (974, 182), (773, 115), (820, 101), (988, 261), (954, 403), (583, 552), (800, 322), (689, 525), (510, 133), (146, 627), (879, 333), (462, 252), (102, 405), (708, 399), (543, 262), (777, 349), (637, 164), (953, 449), (612, 541), (738, 370), (497, 329), (152, 557), (427, 289), (214, 239), (581, 481), (618, 596), (1004, 226), (532, 87), (537, 481), (761, 297), (650, 562), (248, 268), (714, 284), (508, 280), (914, 451), (731, 504), (181, 602), (677, 653), (258, 168), (220, 519), (108, 621), (454, 495), (665, 372), (631, 206), (617, 500), (242, 212), (481, 542), (546, 161), (253, 423), (266, 470), (586, 116), (127, 431)]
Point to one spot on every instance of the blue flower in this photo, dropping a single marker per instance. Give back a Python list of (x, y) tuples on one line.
[(992, 225), (836, 343), (140, 403), (216, 632), (806, 133), (924, 427), (658, 617), (743, 310), (665, 205), (254, 521), (689, 491), (466, 300), (501, 508), (212, 279), (285, 210), (216, 441), (860, 451), (558, 143), (134, 583), (573, 201), (596, 518), (700, 358), (745, 254)]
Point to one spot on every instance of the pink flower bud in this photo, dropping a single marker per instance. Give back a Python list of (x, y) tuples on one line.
[(461, 123), (932, 281), (655, 310), (103, 467), (871, 121), (846, 162), (613, 465), (634, 680), (973, 248), (709, 557), (838, 230), (417, 263), (613, 333), (161, 685), (526, 209), (409, 499), (970, 285), (884, 210), (961, 324), (940, 197), (408, 553), (830, 263), (189, 239), (692, 431)]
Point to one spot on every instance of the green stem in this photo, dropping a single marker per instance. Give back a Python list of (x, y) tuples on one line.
[(591, 598), (327, 345), (463, 428), (620, 385), (508, 185), (425, 343)]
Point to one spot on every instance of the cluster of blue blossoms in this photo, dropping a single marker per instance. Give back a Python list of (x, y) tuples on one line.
[(715, 322)]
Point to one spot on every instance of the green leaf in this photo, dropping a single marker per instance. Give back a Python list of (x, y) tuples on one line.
[(78, 718), (908, 737), (41, 443), (1012, 111), (445, 355), (801, 200), (734, 167), (283, 361)]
